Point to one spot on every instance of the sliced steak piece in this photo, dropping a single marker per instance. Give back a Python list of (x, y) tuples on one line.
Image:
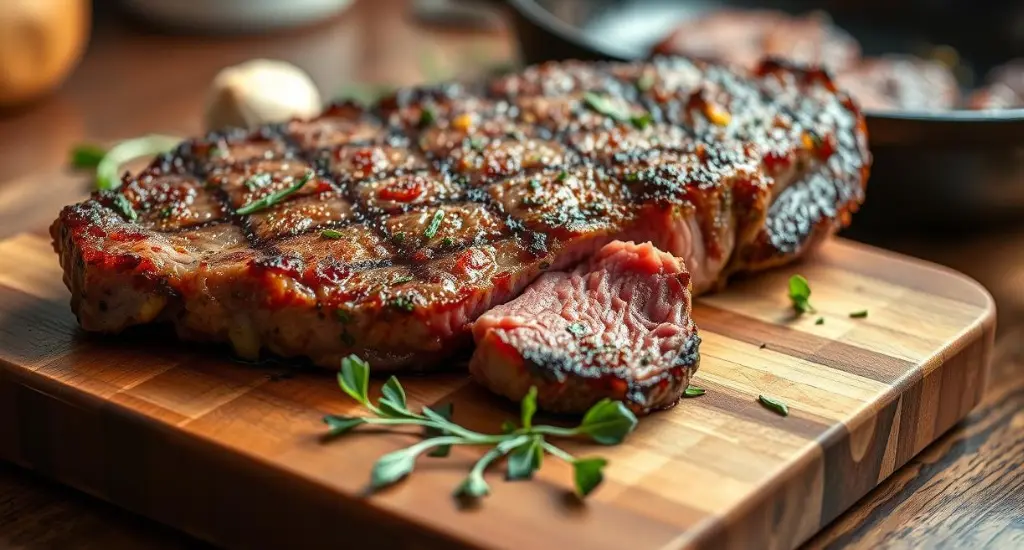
[(901, 82), (617, 326), (441, 202), (743, 38)]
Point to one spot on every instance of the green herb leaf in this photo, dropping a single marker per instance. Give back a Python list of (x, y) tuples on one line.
[(562, 176), (447, 242), (608, 422), (393, 391), (398, 238), (218, 151), (578, 330), (354, 378), (401, 280), (107, 175), (273, 198), (588, 474), (331, 234), (529, 407), (87, 155), (820, 321), (642, 121), (443, 412), (693, 391), (859, 314), (402, 303), (435, 224), (344, 316), (800, 293), (427, 116), (474, 486), (342, 424), (605, 106), (774, 405), (392, 467), (124, 206), (525, 459), (645, 82)]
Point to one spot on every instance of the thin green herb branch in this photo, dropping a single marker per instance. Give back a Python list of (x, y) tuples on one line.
[(607, 423)]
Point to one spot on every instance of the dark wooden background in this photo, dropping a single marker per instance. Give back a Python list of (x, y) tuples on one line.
[(965, 491)]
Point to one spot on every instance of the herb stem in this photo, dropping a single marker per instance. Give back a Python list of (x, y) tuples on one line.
[(555, 451), (500, 450), (445, 426), (556, 431), (427, 444)]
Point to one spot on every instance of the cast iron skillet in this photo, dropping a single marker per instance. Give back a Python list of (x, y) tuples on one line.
[(932, 170)]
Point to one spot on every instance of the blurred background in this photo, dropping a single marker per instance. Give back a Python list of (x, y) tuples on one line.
[(946, 122)]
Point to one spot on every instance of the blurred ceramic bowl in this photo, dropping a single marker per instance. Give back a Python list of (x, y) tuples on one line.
[(236, 15)]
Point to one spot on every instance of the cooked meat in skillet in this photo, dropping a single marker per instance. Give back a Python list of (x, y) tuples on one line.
[(441, 202), (743, 37), (617, 326), (1005, 88), (904, 83)]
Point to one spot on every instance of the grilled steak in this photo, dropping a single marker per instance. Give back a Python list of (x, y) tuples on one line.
[(439, 203), (743, 37), (618, 326)]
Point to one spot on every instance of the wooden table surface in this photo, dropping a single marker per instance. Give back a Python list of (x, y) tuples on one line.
[(964, 491)]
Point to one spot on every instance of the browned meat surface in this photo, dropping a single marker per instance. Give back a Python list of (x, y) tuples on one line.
[(903, 83), (1004, 88), (440, 203), (617, 326), (743, 37)]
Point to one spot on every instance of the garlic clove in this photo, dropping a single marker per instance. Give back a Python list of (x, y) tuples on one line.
[(260, 91)]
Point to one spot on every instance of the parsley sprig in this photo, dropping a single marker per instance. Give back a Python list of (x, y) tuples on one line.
[(607, 423)]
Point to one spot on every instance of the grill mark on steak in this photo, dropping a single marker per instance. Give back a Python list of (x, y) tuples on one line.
[(526, 174)]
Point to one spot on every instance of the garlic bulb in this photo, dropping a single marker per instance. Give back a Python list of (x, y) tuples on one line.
[(258, 92)]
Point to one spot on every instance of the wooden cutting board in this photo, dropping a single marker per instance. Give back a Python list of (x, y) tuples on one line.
[(230, 452)]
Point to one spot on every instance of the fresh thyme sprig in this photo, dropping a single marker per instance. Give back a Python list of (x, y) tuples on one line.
[(607, 423)]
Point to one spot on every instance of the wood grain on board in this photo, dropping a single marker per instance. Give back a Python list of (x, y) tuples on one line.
[(231, 453)]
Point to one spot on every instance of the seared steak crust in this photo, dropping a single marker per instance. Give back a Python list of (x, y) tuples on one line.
[(444, 201)]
